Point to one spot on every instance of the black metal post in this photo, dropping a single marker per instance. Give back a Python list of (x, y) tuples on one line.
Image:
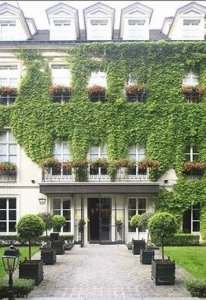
[(10, 291)]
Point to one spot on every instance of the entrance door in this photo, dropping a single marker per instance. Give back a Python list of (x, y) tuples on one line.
[(99, 213)]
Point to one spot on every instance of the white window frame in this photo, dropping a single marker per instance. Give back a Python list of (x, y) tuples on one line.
[(133, 211), (64, 151), (96, 152), (7, 30), (62, 75), (191, 28), (98, 78), (192, 153), (99, 28), (136, 29), (9, 75), (190, 79), (137, 153), (61, 211), (8, 220), (193, 209), (8, 144)]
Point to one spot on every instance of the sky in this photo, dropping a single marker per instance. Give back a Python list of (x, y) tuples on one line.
[(161, 9)]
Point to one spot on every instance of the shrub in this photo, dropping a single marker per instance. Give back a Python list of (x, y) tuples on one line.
[(30, 227), (179, 239), (21, 287), (58, 222), (134, 222), (162, 225), (196, 287), (48, 222)]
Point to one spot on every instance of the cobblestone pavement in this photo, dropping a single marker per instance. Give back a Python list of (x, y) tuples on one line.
[(104, 272)]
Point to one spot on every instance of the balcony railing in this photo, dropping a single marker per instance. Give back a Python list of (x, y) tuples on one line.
[(7, 177), (100, 175)]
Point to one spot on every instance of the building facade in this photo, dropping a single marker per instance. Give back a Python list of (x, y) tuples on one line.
[(99, 123)]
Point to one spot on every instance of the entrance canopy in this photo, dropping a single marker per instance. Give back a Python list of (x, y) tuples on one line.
[(97, 188)]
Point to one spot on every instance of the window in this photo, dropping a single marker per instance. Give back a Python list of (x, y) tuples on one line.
[(136, 29), (191, 29), (61, 74), (62, 206), (9, 75), (190, 79), (61, 29), (136, 154), (99, 29), (61, 153), (98, 78), (96, 153), (191, 219), (191, 153), (135, 206), (8, 147), (7, 214), (7, 30)]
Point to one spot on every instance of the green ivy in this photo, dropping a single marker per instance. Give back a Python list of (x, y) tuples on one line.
[(165, 124)]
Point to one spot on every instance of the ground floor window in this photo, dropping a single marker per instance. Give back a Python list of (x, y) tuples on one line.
[(135, 206), (191, 219), (62, 206), (7, 214)]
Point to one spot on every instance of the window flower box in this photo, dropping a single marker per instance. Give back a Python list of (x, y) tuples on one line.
[(193, 93), (51, 163), (7, 95), (148, 163), (122, 163), (8, 169), (194, 168), (60, 93), (96, 93), (135, 93)]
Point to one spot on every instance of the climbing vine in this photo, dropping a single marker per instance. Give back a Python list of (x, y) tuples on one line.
[(165, 124)]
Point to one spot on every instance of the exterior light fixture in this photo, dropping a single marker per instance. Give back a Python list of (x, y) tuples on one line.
[(42, 201), (10, 262)]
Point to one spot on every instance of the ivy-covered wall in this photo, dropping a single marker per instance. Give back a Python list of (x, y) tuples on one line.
[(165, 124)]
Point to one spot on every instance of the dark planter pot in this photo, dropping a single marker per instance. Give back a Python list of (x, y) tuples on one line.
[(146, 256), (31, 269), (59, 246), (137, 245), (48, 255), (163, 272), (54, 236)]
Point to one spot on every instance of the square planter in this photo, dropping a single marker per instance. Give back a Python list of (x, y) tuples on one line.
[(137, 245), (31, 269), (54, 236), (48, 255), (59, 246), (163, 272), (146, 256)]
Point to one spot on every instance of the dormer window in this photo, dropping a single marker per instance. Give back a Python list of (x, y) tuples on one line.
[(99, 29), (7, 30), (136, 29), (191, 29)]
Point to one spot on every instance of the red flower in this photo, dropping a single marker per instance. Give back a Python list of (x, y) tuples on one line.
[(96, 89), (134, 88)]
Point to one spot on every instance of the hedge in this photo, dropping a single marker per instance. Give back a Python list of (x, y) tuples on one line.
[(196, 287), (21, 288), (179, 239)]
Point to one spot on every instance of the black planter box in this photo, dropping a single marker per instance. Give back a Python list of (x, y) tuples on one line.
[(163, 272), (31, 269), (54, 236), (146, 256), (59, 246), (137, 245), (48, 255)]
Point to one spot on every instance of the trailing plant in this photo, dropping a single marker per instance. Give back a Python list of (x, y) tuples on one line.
[(8, 167), (59, 90), (134, 88), (189, 166), (96, 89), (188, 89), (7, 90), (147, 163)]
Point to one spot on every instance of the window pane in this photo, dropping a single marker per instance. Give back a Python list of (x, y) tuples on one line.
[(12, 149), (12, 203), (56, 204), (142, 204), (67, 214), (66, 204), (67, 227), (132, 204), (3, 215), (2, 203), (3, 137), (12, 226), (196, 226), (56, 212), (2, 226)]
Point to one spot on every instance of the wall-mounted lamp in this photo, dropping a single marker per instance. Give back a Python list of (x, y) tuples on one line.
[(33, 181), (42, 201)]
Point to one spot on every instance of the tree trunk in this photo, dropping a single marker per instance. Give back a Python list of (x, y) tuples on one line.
[(162, 246), (29, 249)]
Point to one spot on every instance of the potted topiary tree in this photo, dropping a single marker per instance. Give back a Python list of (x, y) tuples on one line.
[(29, 228), (147, 254), (136, 243), (57, 243), (48, 254), (162, 225)]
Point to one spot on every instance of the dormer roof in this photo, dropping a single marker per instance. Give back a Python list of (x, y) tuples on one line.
[(61, 11), (137, 10), (100, 10), (10, 12), (187, 10)]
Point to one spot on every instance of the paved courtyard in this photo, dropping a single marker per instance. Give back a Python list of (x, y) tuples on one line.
[(104, 271)]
